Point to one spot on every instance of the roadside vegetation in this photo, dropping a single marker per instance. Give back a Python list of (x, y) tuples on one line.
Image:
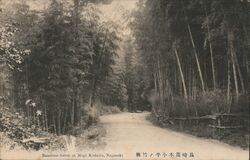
[(53, 62), (195, 58), (65, 64)]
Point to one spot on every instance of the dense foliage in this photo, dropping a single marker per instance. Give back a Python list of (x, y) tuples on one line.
[(182, 58), (195, 54), (59, 57)]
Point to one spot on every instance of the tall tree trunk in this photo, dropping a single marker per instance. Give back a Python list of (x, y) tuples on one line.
[(196, 58), (248, 75), (78, 105), (170, 98), (27, 93), (65, 120), (239, 72), (93, 91), (59, 122), (181, 73), (160, 83), (212, 64), (73, 109), (54, 123), (211, 51), (46, 118), (246, 30), (231, 48), (155, 81), (194, 85), (189, 81), (43, 116), (182, 80), (228, 83), (175, 78)]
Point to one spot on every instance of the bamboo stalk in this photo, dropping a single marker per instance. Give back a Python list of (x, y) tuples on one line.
[(211, 51), (228, 83), (181, 73), (230, 43), (196, 58)]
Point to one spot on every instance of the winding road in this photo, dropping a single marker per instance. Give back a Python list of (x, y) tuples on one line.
[(131, 136), (131, 133)]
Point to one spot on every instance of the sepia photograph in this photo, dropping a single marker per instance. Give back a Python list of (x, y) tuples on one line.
[(124, 79)]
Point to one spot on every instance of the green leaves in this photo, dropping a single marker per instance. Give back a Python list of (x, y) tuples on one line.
[(8, 49)]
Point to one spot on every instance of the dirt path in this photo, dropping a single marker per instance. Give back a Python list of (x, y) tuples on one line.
[(130, 133)]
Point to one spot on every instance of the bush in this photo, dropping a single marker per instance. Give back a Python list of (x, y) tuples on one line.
[(179, 107), (205, 104), (106, 109), (17, 132), (242, 106), (212, 102)]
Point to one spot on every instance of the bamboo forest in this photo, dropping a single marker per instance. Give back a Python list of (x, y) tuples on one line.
[(101, 75)]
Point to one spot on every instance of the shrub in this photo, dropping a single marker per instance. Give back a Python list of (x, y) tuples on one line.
[(205, 104), (212, 102)]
